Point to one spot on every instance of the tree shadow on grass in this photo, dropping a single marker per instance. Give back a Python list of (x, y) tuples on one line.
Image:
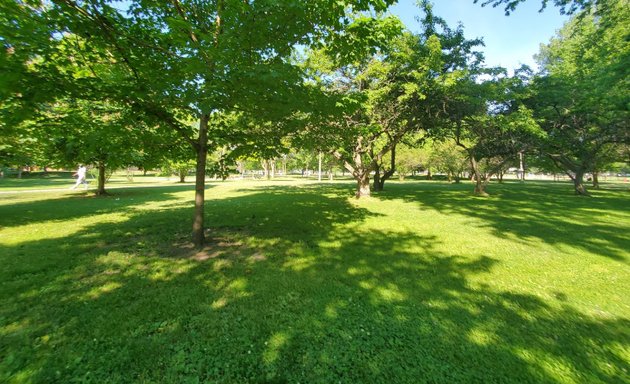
[(60, 208), (538, 211), (309, 300)]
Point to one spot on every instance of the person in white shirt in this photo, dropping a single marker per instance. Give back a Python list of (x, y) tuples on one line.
[(80, 174)]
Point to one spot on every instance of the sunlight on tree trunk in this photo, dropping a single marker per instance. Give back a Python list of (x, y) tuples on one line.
[(363, 185)]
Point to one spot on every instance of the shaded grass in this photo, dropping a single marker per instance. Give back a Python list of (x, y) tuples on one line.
[(65, 180), (301, 283)]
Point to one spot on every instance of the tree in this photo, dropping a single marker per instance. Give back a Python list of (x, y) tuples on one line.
[(566, 6), (409, 158), (449, 158), (97, 133), (489, 121), (581, 95), (212, 56)]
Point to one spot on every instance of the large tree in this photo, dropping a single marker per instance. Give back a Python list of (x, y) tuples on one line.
[(177, 59), (582, 91)]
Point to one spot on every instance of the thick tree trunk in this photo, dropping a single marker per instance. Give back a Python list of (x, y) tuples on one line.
[(19, 174), (378, 184), (595, 180), (100, 189), (200, 182), (578, 183), (363, 185), (182, 176)]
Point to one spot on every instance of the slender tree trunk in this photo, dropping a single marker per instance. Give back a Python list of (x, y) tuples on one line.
[(387, 173), (595, 180), (200, 182), (100, 189), (429, 175), (480, 187), (319, 174), (19, 175), (273, 168)]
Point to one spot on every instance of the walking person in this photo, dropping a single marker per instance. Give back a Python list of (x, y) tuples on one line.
[(80, 174)]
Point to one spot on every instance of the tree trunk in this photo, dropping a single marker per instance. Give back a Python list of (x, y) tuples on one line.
[(319, 174), (100, 189), (429, 175), (595, 180), (265, 165), (387, 173), (182, 176), (378, 184), (19, 174), (480, 187), (200, 181), (363, 185), (578, 183)]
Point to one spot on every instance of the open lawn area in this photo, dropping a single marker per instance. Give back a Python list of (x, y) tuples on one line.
[(300, 282)]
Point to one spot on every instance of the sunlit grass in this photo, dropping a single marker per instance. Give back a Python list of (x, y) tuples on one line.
[(302, 283)]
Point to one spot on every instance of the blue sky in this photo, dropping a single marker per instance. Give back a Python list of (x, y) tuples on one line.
[(509, 40)]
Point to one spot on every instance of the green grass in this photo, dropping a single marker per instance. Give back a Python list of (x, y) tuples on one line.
[(302, 283), (65, 180)]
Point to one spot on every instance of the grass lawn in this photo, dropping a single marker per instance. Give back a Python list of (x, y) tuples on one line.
[(64, 180), (303, 283)]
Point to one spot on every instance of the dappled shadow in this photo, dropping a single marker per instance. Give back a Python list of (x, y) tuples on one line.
[(534, 211), (78, 205), (322, 302)]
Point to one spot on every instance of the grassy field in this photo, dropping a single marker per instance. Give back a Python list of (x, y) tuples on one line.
[(302, 283), (64, 180)]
